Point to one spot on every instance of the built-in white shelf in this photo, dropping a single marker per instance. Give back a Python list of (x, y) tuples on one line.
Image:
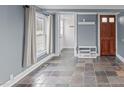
[(86, 23), (87, 52)]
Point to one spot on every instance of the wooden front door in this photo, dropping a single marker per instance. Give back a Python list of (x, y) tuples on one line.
[(107, 35)]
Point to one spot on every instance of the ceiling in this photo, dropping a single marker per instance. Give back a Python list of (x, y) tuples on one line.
[(81, 6)]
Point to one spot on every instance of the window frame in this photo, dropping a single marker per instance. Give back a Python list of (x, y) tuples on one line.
[(41, 16), (113, 21), (104, 19)]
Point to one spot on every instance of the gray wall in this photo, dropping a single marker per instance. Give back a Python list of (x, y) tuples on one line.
[(87, 34), (11, 37), (120, 34)]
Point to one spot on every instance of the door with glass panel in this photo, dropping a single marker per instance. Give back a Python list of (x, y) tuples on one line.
[(107, 35)]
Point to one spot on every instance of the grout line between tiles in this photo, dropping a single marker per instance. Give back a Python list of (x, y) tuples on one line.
[(95, 75), (84, 75), (107, 78)]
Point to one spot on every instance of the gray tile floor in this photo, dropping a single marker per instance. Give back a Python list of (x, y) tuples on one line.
[(68, 71)]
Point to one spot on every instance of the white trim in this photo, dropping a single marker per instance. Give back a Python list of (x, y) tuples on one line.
[(57, 35), (87, 47), (120, 57), (86, 23), (116, 34), (99, 30), (98, 34), (65, 13), (75, 35), (82, 13), (87, 13), (108, 13), (26, 72), (101, 13)]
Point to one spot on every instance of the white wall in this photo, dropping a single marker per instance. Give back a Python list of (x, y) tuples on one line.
[(68, 37), (61, 33)]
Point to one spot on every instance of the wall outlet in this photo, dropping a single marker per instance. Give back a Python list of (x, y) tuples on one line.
[(11, 77)]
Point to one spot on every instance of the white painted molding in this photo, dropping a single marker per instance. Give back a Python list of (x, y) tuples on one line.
[(26, 72), (65, 13), (87, 13), (108, 13), (86, 23), (98, 34), (116, 34), (98, 54), (75, 35), (120, 57)]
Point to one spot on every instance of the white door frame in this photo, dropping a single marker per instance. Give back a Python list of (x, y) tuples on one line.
[(75, 35), (57, 32), (57, 28), (99, 30)]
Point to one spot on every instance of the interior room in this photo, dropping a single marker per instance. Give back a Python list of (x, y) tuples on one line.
[(66, 32), (62, 46)]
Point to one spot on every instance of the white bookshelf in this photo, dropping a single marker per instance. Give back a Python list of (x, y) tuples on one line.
[(86, 23), (87, 52)]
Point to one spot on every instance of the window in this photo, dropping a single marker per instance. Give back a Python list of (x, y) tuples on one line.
[(111, 20), (40, 35), (104, 20)]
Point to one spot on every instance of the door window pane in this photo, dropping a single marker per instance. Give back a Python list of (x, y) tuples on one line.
[(104, 19), (111, 20)]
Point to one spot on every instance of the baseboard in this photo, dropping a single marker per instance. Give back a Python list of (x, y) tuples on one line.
[(68, 47), (26, 72), (98, 54), (120, 57), (56, 55)]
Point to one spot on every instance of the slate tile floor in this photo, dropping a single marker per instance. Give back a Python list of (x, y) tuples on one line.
[(68, 71)]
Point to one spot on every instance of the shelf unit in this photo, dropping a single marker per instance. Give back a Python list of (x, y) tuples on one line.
[(87, 52), (86, 23)]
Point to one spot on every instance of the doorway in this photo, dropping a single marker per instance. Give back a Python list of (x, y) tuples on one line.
[(66, 32), (107, 35)]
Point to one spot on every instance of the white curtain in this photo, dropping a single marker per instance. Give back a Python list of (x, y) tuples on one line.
[(49, 34), (30, 37)]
